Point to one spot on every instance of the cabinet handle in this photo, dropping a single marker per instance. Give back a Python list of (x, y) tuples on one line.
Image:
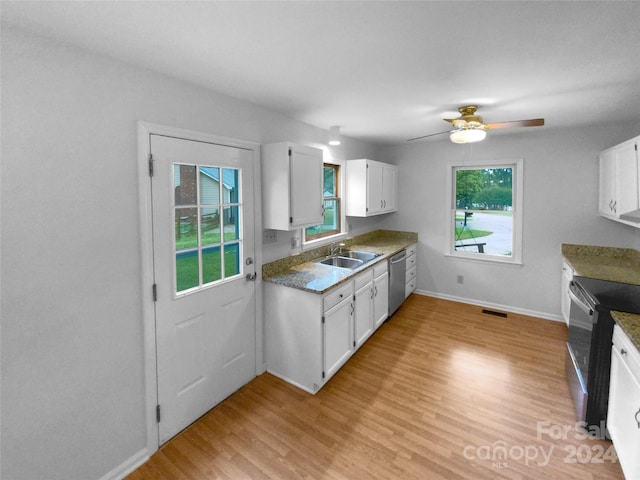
[(352, 308), (372, 294), (376, 291), (615, 205), (636, 416), (623, 351), (381, 204), (322, 206), (341, 295)]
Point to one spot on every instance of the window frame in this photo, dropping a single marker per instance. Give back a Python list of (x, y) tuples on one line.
[(517, 209), (314, 241)]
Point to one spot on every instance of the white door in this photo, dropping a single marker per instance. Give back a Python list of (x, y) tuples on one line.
[(203, 246)]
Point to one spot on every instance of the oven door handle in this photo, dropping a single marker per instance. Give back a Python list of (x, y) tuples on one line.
[(578, 301)]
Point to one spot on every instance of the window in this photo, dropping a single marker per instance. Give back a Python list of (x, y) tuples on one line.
[(332, 209), (207, 234), (486, 211)]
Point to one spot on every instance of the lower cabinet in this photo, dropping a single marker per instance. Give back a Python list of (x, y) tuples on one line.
[(623, 417), (309, 336), (380, 294), (363, 320)]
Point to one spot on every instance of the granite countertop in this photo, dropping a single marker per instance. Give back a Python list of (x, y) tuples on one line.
[(301, 272), (630, 324), (604, 263)]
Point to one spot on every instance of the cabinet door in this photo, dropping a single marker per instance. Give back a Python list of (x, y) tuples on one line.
[(389, 188), (337, 336), (363, 320), (607, 175), (624, 414), (375, 202), (626, 178), (380, 299), (305, 201)]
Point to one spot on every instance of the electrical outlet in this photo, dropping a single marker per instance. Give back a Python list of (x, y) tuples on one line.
[(460, 279)]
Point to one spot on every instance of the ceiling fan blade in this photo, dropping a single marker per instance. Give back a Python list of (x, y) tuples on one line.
[(425, 136), (534, 122)]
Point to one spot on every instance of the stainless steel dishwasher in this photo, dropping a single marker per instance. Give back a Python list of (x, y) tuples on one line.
[(397, 274)]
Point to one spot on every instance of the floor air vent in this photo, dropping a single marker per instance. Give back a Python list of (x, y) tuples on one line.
[(493, 312)]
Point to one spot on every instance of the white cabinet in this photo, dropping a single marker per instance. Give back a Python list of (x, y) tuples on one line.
[(565, 300), (412, 270), (291, 186), (623, 417), (363, 298), (337, 334), (620, 182), (380, 293), (371, 188), (308, 336)]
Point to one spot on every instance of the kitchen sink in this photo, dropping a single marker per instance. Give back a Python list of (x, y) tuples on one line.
[(360, 255), (351, 259), (343, 262)]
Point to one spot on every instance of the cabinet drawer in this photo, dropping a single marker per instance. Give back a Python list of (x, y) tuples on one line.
[(340, 293), (363, 279), (411, 250), (411, 261), (411, 274), (381, 268), (410, 288)]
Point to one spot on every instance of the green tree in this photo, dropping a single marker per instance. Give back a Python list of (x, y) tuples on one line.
[(468, 184)]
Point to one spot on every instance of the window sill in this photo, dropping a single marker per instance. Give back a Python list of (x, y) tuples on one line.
[(485, 258), (320, 242)]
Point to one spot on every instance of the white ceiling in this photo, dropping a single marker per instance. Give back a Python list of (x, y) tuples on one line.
[(385, 71)]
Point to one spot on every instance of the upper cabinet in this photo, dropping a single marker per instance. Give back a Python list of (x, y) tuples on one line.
[(291, 186), (372, 188), (619, 183)]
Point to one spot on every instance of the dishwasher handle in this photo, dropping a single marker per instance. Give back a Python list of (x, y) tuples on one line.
[(398, 258)]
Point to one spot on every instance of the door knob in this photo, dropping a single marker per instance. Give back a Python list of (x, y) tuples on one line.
[(251, 276)]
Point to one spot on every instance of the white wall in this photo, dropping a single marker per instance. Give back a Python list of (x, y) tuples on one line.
[(72, 336), (560, 206)]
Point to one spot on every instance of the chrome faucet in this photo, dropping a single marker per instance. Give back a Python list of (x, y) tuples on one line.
[(333, 248)]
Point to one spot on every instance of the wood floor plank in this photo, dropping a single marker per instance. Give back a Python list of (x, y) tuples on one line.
[(440, 391)]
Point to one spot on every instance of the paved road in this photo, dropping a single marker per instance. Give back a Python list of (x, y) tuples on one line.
[(499, 242)]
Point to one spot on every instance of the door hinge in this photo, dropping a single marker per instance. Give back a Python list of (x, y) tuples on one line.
[(323, 374), (636, 147), (290, 219), (290, 152), (354, 343), (150, 165), (158, 413), (154, 290), (323, 319), (354, 297)]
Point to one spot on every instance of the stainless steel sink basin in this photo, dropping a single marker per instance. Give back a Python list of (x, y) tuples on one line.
[(343, 262), (360, 255)]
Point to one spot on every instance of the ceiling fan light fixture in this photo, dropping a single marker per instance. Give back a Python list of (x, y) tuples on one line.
[(334, 135), (468, 135)]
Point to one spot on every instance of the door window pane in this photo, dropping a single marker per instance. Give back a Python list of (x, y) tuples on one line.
[(211, 265), (184, 184), (186, 222), (232, 259), (187, 270), (202, 230), (210, 224)]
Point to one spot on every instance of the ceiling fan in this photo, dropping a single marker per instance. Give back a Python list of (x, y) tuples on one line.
[(470, 128)]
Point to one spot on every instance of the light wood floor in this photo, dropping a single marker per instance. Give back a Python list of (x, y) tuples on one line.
[(438, 392)]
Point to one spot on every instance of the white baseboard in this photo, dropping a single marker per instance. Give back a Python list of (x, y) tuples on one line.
[(506, 308), (128, 466)]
